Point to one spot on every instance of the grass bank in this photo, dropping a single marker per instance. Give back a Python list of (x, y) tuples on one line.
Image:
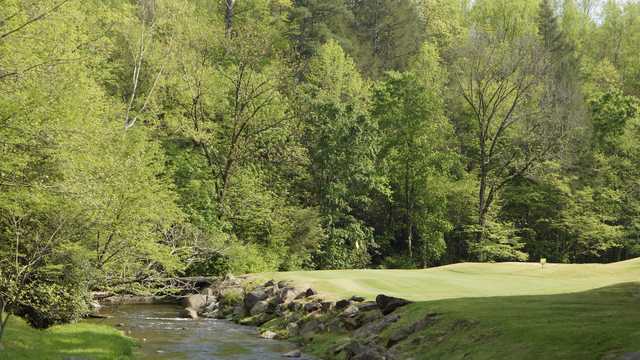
[(74, 341), (497, 311)]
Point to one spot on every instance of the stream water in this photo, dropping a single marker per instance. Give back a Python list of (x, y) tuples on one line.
[(162, 335)]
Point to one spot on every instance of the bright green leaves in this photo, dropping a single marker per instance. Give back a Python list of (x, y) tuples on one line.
[(417, 160)]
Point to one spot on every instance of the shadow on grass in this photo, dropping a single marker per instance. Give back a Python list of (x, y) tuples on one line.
[(597, 324)]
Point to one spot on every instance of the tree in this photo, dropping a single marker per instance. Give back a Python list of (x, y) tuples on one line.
[(342, 141), (389, 34), (315, 22), (502, 84), (417, 156)]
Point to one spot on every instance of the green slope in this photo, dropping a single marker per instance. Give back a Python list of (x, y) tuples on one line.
[(465, 280), (74, 341), (497, 311)]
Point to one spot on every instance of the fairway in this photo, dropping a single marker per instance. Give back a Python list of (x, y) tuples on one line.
[(465, 280)]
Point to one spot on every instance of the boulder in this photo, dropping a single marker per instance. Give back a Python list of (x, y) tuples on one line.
[(357, 298), (376, 327), (211, 306), (196, 302), (269, 283), (362, 351), (208, 291), (259, 307), (312, 306), (403, 333), (294, 306), (342, 304), (307, 293), (388, 304), (293, 354), (310, 328), (271, 290), (328, 306), (268, 335), (189, 313), (239, 311), (95, 306), (367, 306), (350, 311), (286, 295), (283, 284), (293, 329), (258, 294)]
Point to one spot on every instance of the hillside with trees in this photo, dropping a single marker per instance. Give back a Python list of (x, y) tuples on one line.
[(143, 140)]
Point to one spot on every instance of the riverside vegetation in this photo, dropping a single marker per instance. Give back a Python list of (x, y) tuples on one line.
[(147, 141)]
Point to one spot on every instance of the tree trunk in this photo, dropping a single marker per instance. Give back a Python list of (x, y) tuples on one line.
[(228, 18), (4, 319)]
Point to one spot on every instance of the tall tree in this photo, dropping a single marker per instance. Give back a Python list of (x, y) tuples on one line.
[(342, 141), (501, 83)]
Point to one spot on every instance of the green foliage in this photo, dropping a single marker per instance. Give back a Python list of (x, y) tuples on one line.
[(141, 140)]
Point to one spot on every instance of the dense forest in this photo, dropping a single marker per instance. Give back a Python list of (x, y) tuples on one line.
[(147, 139)]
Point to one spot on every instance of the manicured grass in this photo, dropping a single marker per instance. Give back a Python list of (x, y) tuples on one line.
[(465, 280), (596, 324), (74, 341), (498, 311)]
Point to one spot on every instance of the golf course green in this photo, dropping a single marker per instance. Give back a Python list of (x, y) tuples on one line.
[(465, 280)]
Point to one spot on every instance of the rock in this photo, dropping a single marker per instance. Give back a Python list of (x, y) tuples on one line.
[(335, 325), (259, 308), (388, 304), (328, 306), (268, 335), (231, 280), (403, 333), (214, 314), (293, 354), (350, 323), (356, 350), (286, 295), (376, 327), (120, 324), (294, 306), (94, 306), (189, 313), (342, 304), (310, 328), (239, 311), (258, 294), (367, 306), (208, 291), (357, 298), (272, 290), (283, 284), (307, 293), (269, 283), (256, 320), (196, 302), (212, 306), (350, 311), (312, 306), (293, 329)]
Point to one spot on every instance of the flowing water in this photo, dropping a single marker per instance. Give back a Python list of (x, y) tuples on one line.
[(162, 335)]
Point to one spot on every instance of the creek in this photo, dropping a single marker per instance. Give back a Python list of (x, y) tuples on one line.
[(163, 335)]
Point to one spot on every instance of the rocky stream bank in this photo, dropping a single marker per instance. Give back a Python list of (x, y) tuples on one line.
[(282, 311)]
